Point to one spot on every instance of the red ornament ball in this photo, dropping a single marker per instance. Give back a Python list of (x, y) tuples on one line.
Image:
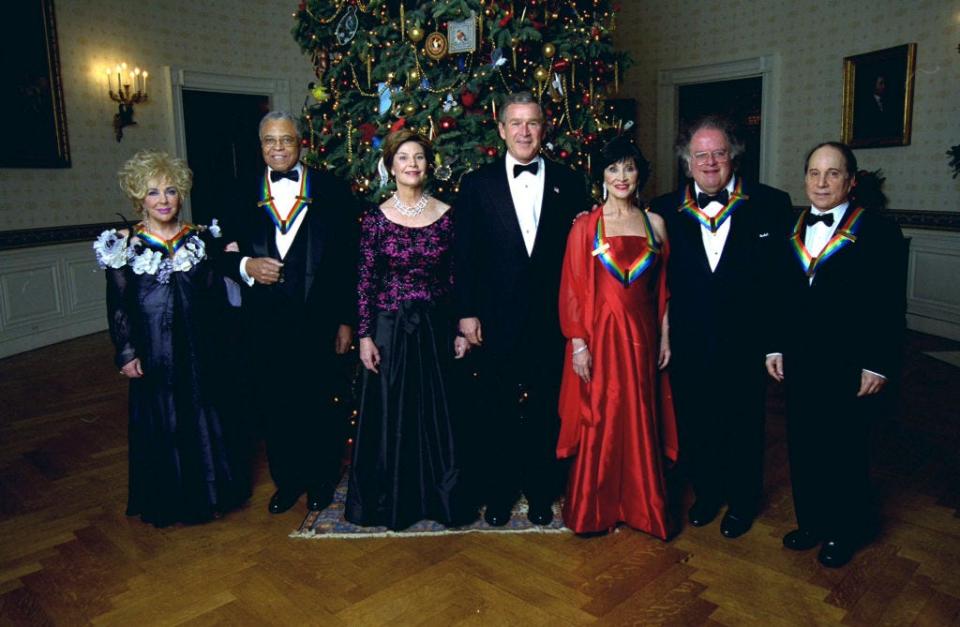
[(586, 98), (305, 142), (491, 151), (468, 99), (447, 123), (564, 154), (367, 131)]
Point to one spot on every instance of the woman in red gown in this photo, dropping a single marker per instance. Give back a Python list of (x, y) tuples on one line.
[(617, 417)]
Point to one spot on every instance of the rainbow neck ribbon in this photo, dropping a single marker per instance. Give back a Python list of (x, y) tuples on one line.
[(301, 202), (845, 234), (737, 198), (166, 246), (629, 274)]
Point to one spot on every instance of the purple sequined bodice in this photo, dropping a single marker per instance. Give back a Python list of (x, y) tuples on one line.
[(400, 264)]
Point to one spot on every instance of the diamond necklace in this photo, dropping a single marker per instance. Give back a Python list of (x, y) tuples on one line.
[(414, 210)]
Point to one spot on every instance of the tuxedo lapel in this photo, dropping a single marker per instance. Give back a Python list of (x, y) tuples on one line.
[(504, 208), (550, 207), (691, 232)]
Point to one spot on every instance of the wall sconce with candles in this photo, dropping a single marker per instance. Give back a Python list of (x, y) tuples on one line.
[(134, 91)]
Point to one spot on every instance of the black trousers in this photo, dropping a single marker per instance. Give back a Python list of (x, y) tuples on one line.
[(720, 419), (294, 390), (828, 439), (516, 426)]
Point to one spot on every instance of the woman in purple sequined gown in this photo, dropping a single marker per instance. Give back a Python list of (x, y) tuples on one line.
[(405, 461)]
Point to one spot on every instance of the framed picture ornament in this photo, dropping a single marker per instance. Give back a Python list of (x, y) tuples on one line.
[(462, 35)]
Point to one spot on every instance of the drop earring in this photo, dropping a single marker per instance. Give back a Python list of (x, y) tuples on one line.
[(604, 191)]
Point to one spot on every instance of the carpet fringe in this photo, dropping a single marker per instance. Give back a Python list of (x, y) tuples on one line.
[(310, 535)]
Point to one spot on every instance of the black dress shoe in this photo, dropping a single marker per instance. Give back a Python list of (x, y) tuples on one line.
[(540, 514), (497, 515), (800, 540), (282, 500), (836, 553), (320, 498), (702, 513), (734, 526)]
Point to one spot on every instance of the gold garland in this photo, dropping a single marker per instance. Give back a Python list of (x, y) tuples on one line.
[(456, 83)]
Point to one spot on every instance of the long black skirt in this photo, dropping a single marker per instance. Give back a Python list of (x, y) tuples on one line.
[(405, 466)]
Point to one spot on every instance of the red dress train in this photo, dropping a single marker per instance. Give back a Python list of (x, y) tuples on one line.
[(620, 427)]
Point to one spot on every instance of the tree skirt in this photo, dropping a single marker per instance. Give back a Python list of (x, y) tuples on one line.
[(330, 523)]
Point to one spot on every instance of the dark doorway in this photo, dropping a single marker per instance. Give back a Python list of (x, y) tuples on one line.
[(741, 101), (223, 151)]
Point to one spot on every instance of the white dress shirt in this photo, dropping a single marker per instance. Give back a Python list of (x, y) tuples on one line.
[(284, 194), (713, 243), (527, 193)]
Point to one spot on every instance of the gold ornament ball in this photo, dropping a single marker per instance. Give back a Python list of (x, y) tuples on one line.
[(514, 41), (414, 76), (415, 34), (541, 74), (410, 108), (549, 50)]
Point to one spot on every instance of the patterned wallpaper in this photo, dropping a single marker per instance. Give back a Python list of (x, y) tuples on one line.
[(234, 37), (811, 38), (247, 38)]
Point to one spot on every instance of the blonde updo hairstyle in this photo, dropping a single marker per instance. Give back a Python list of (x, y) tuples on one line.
[(148, 165)]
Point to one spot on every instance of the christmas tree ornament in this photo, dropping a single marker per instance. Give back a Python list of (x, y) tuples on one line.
[(319, 93), (447, 123), (413, 77), (416, 34), (347, 27), (541, 74), (549, 50), (409, 108), (436, 46)]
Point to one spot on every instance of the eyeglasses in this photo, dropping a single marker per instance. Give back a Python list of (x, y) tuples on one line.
[(720, 156), (287, 141)]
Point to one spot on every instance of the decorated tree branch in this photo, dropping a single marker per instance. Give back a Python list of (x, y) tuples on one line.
[(439, 68)]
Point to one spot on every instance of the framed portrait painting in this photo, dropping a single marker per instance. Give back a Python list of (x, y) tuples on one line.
[(878, 97), (32, 91)]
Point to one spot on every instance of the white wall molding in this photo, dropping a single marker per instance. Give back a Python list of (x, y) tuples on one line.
[(668, 82), (933, 282), (49, 294)]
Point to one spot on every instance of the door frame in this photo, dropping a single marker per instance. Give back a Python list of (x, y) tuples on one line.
[(668, 82), (179, 78)]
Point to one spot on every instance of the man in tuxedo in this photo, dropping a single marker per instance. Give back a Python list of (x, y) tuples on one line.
[(513, 216), (720, 228), (837, 326), (298, 247)]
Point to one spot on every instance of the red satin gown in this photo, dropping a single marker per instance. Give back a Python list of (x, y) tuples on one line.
[(620, 427)]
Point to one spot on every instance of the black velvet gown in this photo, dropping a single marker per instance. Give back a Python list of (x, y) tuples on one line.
[(183, 466), (406, 464)]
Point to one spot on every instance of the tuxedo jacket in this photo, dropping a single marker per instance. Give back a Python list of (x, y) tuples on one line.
[(715, 316), (514, 294), (321, 263), (851, 316)]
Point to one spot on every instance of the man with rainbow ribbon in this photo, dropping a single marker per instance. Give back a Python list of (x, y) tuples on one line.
[(298, 252), (837, 326), (721, 229)]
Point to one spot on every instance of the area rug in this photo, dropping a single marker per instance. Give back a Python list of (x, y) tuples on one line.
[(951, 357), (330, 524)]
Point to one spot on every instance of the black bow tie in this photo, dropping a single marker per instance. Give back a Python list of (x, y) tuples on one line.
[(531, 167), (704, 199), (826, 218), (293, 175)]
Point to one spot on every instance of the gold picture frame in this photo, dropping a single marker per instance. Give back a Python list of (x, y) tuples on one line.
[(878, 97), (32, 90)]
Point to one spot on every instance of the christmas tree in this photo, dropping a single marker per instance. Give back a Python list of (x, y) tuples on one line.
[(439, 68)]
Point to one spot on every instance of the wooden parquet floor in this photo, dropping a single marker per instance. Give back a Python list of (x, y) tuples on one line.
[(69, 556)]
